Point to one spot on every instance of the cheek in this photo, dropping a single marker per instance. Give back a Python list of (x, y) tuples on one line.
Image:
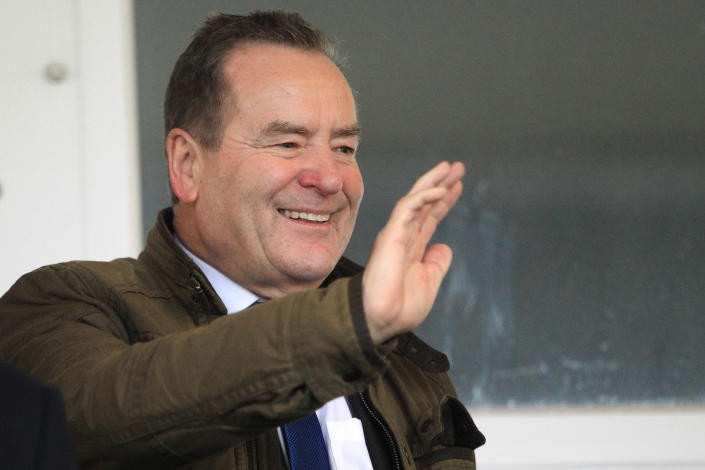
[(271, 175), (353, 186), (241, 183)]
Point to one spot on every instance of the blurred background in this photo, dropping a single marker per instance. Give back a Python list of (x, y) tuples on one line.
[(574, 312)]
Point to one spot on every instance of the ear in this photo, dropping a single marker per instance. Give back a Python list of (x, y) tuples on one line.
[(184, 157)]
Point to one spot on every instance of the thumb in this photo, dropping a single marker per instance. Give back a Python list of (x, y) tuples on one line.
[(437, 261)]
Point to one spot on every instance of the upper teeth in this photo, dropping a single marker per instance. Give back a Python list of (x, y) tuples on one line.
[(306, 215)]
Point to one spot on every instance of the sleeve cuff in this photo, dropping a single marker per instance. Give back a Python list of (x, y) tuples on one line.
[(373, 353)]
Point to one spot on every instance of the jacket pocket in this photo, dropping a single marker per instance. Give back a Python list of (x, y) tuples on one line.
[(454, 441)]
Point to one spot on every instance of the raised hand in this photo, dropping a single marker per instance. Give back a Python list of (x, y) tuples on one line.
[(403, 274)]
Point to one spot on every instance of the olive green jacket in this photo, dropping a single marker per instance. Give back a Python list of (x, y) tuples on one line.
[(155, 374)]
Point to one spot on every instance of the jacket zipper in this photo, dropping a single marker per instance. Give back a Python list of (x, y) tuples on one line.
[(385, 429), (252, 454)]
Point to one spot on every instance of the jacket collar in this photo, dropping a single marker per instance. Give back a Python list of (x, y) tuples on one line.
[(163, 254)]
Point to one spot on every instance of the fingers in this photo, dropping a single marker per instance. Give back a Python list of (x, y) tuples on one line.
[(446, 176), (413, 206), (431, 178), (415, 217), (455, 174), (440, 209), (433, 195), (443, 174), (431, 215)]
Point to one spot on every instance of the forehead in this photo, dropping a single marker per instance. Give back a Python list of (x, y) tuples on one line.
[(263, 71), (282, 60)]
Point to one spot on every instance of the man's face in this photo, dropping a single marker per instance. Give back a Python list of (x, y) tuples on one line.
[(278, 201)]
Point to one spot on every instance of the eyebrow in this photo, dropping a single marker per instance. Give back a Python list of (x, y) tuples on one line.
[(279, 127)]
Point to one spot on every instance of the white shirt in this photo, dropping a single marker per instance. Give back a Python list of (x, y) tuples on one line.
[(342, 433)]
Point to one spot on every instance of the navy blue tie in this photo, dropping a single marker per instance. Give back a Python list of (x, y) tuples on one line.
[(304, 439)]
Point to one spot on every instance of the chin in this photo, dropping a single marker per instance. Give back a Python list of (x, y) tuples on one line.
[(309, 269)]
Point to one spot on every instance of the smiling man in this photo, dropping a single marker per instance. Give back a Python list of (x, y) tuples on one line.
[(283, 186), (241, 338)]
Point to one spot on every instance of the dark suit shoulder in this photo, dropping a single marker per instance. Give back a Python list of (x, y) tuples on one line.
[(33, 432)]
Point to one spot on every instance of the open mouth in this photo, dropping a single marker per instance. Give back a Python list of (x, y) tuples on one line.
[(304, 216)]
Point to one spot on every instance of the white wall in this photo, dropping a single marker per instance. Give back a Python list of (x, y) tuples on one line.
[(592, 439), (69, 168)]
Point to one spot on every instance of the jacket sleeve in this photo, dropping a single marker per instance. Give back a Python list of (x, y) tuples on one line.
[(192, 393)]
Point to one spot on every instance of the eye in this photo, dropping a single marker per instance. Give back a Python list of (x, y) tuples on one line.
[(346, 150), (287, 145)]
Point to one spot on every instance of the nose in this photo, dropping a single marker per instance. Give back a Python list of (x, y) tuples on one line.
[(321, 172)]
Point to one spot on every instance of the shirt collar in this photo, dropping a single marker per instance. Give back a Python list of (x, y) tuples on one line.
[(234, 296)]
